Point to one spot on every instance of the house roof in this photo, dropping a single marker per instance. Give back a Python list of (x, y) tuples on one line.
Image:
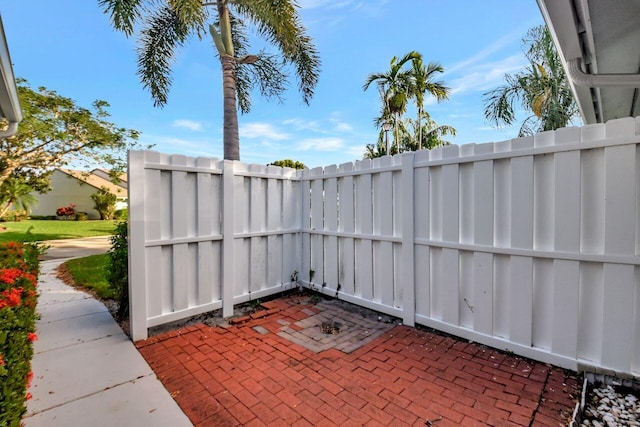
[(97, 182), (9, 101), (104, 173), (599, 43)]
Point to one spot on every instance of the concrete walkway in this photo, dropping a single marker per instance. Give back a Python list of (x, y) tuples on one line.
[(86, 370), (74, 248)]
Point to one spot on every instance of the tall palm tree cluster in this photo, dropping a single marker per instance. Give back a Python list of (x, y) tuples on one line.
[(407, 79), (541, 88), (166, 25)]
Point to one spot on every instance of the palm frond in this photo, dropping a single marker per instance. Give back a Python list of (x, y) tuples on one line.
[(190, 11), (279, 23), (164, 31), (123, 13)]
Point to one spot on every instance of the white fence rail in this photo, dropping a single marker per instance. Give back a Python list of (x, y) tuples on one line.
[(530, 245)]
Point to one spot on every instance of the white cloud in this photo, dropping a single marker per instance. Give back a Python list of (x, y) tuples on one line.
[(343, 127), (487, 75), (262, 130), (188, 124), (481, 56), (321, 144), (301, 124), (330, 13), (356, 152)]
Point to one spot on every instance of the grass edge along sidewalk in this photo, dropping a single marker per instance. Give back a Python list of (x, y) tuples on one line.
[(41, 230)]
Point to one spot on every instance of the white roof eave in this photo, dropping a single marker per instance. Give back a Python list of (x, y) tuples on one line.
[(9, 101), (558, 16)]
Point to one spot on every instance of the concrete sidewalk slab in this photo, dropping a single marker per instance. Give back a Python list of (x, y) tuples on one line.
[(73, 308), (123, 410), (86, 370), (76, 371), (77, 330)]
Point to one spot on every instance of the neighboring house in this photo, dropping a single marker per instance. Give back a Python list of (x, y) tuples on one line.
[(76, 187), (103, 173)]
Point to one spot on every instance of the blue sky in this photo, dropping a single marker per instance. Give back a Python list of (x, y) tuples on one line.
[(69, 46)]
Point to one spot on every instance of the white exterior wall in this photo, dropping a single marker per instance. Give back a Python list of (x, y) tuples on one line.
[(66, 190), (530, 245)]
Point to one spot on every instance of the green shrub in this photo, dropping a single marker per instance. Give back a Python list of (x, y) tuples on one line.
[(14, 216), (105, 203), (43, 217), (19, 269), (82, 216), (121, 214), (118, 269)]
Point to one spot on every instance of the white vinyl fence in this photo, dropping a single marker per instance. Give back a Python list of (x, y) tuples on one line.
[(530, 245), (207, 234)]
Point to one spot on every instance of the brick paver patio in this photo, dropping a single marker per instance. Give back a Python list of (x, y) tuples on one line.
[(281, 370)]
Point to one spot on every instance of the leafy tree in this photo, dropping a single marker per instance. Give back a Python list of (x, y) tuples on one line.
[(423, 84), (414, 135), (16, 192), (288, 163), (54, 132), (425, 134), (166, 26), (394, 87), (541, 89), (397, 87), (105, 203)]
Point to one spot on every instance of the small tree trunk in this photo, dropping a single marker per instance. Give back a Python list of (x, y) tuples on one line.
[(5, 173), (6, 208)]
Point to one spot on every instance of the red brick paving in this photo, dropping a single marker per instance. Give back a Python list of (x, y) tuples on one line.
[(240, 376)]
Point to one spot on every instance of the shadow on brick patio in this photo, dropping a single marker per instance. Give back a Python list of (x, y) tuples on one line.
[(281, 369)]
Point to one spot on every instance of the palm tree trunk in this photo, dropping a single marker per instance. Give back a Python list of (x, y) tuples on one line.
[(419, 128), (230, 137)]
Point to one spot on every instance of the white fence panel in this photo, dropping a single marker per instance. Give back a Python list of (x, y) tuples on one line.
[(530, 245), (207, 234)]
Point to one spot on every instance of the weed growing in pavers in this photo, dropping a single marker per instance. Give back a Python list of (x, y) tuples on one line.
[(256, 304)]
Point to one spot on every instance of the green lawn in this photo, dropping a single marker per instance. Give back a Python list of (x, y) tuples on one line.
[(91, 273), (51, 230)]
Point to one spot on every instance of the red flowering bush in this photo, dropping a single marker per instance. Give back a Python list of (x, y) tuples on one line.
[(18, 297), (67, 211)]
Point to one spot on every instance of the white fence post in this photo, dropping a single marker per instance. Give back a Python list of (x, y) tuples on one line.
[(408, 242), (137, 285), (305, 197), (228, 267)]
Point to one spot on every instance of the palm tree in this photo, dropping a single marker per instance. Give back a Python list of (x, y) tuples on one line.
[(15, 192), (395, 88), (166, 26), (414, 135), (542, 89), (423, 83), (425, 133)]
